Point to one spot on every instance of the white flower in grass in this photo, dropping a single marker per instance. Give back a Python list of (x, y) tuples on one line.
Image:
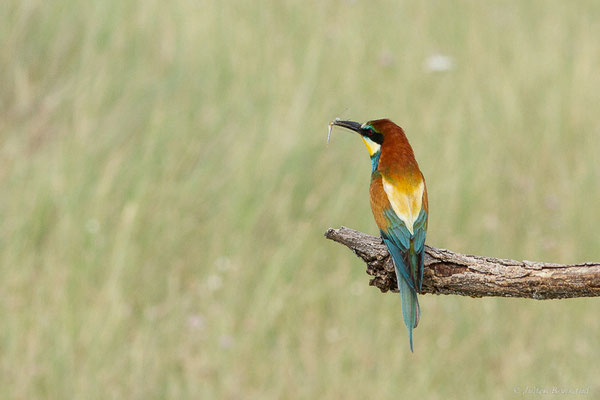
[(439, 63), (196, 321)]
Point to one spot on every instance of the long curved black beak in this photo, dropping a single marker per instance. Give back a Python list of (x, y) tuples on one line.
[(353, 126)]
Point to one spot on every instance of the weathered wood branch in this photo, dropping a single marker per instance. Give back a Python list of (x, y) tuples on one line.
[(447, 272)]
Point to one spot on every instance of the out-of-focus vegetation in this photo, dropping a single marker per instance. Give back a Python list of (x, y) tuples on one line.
[(166, 184)]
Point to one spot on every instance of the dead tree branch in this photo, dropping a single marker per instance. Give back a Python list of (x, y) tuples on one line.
[(447, 272)]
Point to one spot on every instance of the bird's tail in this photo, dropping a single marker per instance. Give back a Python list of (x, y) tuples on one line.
[(410, 307)]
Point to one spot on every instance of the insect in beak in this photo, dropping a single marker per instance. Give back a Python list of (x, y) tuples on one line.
[(330, 127)]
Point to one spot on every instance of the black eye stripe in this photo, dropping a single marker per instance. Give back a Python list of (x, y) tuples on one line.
[(370, 133)]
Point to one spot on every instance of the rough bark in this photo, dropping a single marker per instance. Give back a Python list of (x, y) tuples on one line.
[(447, 272)]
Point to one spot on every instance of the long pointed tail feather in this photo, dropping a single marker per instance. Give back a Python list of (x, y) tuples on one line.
[(410, 307), (408, 266)]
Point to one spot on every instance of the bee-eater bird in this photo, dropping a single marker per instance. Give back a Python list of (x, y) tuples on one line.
[(399, 205)]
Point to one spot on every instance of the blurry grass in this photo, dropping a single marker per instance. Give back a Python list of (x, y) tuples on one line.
[(165, 187)]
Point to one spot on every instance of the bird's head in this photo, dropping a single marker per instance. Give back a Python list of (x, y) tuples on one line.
[(371, 132)]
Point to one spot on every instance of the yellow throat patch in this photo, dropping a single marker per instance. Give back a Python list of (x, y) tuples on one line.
[(371, 145)]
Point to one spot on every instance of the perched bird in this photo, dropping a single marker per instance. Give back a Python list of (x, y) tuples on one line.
[(399, 205)]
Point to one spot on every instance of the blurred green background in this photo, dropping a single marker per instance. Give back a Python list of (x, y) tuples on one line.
[(166, 186)]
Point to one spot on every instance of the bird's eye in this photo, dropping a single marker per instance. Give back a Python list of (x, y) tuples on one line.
[(370, 132)]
